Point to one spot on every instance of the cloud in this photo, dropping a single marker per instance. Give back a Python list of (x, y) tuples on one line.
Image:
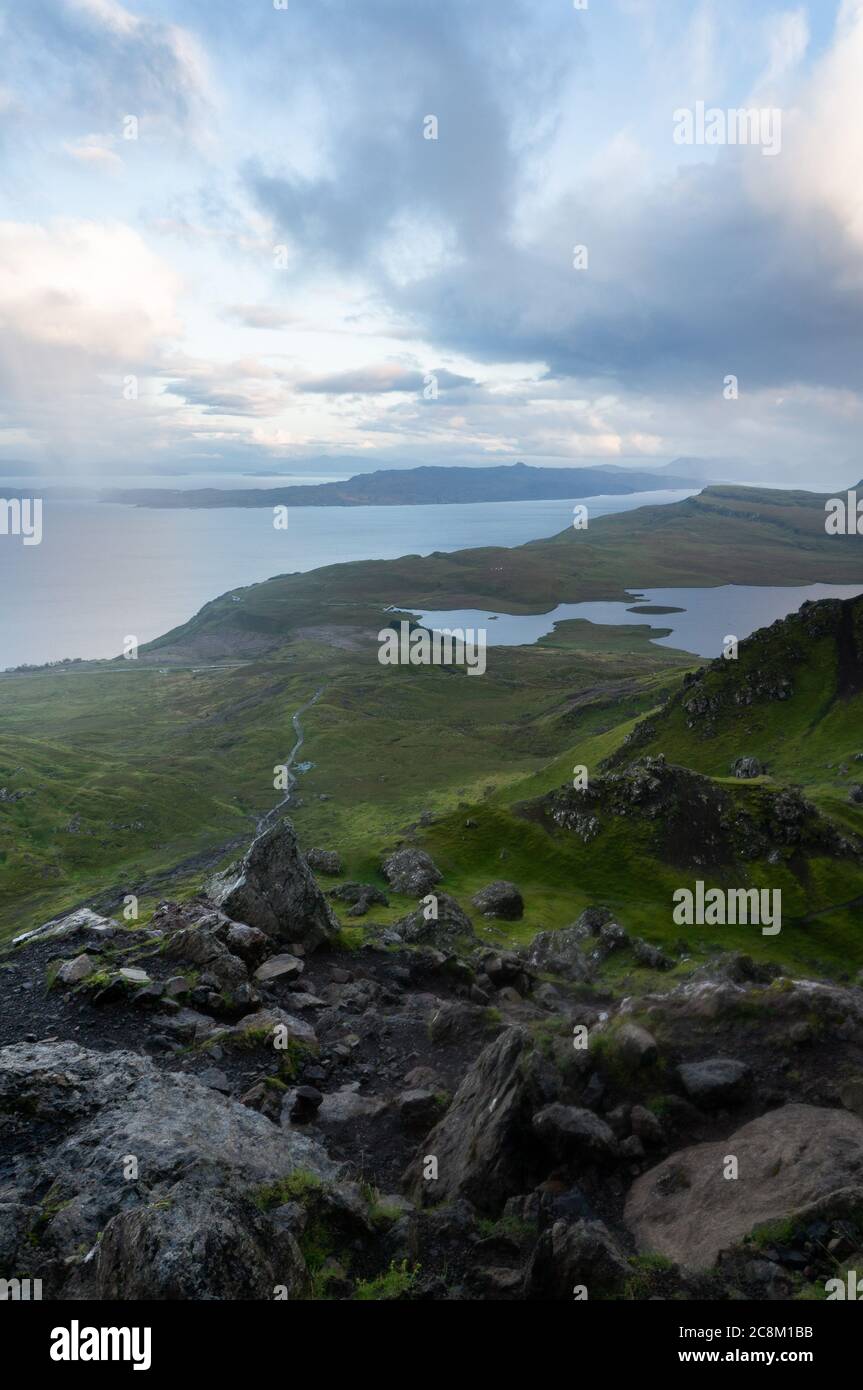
[(259, 315), (383, 379), (96, 150), (100, 61), (90, 288)]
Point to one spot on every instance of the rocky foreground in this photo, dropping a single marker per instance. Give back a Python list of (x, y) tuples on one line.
[(228, 1103)]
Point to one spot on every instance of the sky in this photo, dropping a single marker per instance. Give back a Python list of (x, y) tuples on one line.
[(237, 236)]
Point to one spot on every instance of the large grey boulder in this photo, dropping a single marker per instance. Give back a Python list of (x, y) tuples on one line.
[(441, 924), (274, 889), (500, 899), (561, 953), (719, 1081), (484, 1145), (198, 1243), (411, 871), (688, 1210), (120, 1137)]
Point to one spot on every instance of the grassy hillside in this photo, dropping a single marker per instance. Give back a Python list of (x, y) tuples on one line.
[(130, 772), (138, 777), (793, 699)]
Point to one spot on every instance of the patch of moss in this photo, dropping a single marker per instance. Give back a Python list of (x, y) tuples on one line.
[(296, 1187), (397, 1282)]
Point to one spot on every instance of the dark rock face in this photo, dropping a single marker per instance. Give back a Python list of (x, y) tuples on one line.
[(273, 889), (324, 861), (582, 1255), (570, 1131), (411, 871), (714, 1083), (483, 1146), (500, 899)]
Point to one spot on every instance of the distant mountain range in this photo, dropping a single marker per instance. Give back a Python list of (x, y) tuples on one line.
[(517, 482)]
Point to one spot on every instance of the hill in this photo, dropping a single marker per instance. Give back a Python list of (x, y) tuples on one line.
[(426, 486)]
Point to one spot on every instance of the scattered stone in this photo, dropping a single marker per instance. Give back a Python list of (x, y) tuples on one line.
[(72, 972), (284, 967)]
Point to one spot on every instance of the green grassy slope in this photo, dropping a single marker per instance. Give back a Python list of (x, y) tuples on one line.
[(152, 769)]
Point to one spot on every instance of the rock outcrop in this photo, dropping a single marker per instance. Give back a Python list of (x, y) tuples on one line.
[(484, 1146), (273, 888)]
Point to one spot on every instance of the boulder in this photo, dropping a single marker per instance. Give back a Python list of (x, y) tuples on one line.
[(581, 1255), (637, 1047), (686, 1209), (361, 897), (411, 871), (441, 924), (283, 967), (561, 953), (747, 767), (571, 1132), (104, 1109), (274, 889), (500, 899), (418, 1109), (344, 1107), (650, 956), (197, 1243), (484, 1145), (324, 861), (83, 924), (716, 1083), (72, 972), (262, 1027)]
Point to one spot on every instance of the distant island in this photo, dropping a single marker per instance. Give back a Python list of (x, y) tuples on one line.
[(516, 482)]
